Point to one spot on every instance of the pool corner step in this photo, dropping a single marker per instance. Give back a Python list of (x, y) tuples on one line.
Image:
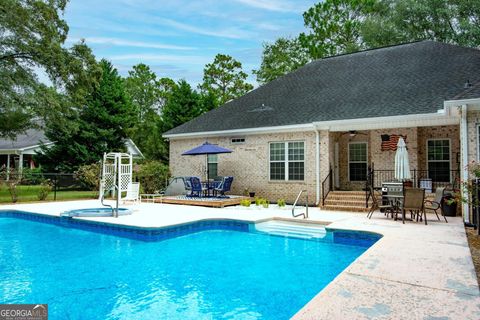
[(288, 229)]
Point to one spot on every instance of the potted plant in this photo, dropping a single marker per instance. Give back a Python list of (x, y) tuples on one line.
[(449, 205), (251, 194)]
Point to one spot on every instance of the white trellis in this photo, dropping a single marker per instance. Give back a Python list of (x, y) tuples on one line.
[(116, 173)]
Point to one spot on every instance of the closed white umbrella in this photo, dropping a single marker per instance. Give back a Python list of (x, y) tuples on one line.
[(402, 167)]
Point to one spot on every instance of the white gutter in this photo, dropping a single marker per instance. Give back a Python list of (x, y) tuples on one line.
[(443, 117), (464, 159), (221, 133), (317, 167), (446, 116)]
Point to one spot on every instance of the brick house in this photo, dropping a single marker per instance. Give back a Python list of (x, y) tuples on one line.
[(322, 126)]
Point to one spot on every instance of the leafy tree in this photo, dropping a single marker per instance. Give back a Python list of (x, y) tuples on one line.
[(183, 105), (281, 57), (101, 126), (397, 21), (144, 90), (335, 27), (225, 79), (31, 38)]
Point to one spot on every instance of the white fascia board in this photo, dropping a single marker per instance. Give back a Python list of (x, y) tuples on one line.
[(34, 149), (404, 121), (9, 151), (473, 104), (248, 131), (447, 116)]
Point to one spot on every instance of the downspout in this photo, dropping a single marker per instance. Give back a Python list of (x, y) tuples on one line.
[(317, 167), (464, 159)]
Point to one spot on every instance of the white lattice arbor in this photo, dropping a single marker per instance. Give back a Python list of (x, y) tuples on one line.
[(116, 173)]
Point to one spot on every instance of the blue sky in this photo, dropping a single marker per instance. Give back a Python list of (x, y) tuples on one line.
[(176, 38)]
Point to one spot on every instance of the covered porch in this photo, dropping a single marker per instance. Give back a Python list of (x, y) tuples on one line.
[(357, 156)]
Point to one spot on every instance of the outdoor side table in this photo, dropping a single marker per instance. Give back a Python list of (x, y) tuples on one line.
[(151, 197)]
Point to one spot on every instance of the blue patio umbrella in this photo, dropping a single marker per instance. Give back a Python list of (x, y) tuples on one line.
[(206, 149)]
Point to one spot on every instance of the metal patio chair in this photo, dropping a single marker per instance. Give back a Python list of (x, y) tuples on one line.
[(413, 199), (435, 205), (377, 205)]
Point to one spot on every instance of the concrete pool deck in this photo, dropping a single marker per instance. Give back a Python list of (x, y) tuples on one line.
[(413, 272)]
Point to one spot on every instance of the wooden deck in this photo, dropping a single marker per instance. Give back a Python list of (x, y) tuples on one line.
[(204, 202)]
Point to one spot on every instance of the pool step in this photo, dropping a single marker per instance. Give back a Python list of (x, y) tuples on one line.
[(288, 229)]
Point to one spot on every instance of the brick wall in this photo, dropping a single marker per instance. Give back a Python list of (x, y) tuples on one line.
[(249, 163)]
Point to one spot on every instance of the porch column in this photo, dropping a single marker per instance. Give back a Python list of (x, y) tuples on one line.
[(464, 160), (8, 166), (20, 162)]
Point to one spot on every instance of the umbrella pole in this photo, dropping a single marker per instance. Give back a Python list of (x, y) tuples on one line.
[(206, 164)]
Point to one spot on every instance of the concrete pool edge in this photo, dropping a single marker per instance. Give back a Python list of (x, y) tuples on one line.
[(374, 286)]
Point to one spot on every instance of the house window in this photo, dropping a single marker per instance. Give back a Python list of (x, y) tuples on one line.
[(212, 166), (237, 140), (357, 161), (438, 155), (287, 160)]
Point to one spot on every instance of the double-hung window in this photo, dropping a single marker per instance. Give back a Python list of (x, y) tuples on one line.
[(438, 156), (357, 161), (287, 160), (212, 166)]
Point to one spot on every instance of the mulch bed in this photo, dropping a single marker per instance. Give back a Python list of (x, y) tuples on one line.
[(474, 244)]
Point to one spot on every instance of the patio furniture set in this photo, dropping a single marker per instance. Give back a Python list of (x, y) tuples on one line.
[(209, 188), (411, 199)]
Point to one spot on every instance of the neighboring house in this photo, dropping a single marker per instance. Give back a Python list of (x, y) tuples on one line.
[(19, 153), (322, 126)]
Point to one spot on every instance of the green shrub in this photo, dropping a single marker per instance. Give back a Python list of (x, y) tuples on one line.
[(245, 202), (89, 176), (258, 201), (31, 176), (281, 203), (45, 188), (265, 203), (153, 176), (12, 189)]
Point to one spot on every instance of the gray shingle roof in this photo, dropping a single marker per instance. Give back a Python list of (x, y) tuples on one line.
[(469, 93), (410, 78), (32, 137)]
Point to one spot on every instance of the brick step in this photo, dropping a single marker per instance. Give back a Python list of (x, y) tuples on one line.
[(345, 197), (347, 193), (347, 202), (345, 208)]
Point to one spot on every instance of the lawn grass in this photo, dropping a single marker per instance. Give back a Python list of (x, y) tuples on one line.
[(30, 193)]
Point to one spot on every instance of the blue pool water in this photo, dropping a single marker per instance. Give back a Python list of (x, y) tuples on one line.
[(204, 275)]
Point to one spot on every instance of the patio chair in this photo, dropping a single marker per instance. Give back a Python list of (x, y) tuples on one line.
[(133, 192), (413, 202), (196, 188), (435, 205), (224, 186), (377, 205)]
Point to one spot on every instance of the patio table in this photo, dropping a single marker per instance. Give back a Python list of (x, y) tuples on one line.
[(395, 200), (210, 187)]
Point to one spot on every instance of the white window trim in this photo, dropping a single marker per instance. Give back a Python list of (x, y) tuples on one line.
[(449, 155), (286, 160), (211, 162), (366, 159), (478, 141)]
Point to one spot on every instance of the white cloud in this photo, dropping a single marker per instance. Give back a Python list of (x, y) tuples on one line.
[(165, 58), (129, 43), (232, 33), (272, 5)]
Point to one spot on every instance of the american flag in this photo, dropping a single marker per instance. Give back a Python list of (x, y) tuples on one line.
[(390, 141)]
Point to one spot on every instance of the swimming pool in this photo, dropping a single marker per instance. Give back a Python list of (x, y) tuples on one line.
[(218, 271)]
